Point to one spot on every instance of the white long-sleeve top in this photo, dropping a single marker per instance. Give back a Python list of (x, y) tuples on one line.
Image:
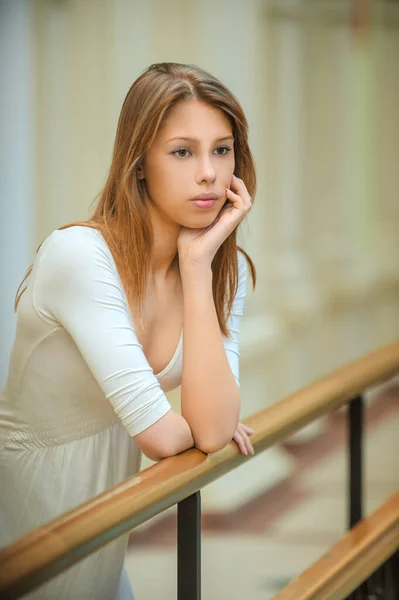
[(79, 388)]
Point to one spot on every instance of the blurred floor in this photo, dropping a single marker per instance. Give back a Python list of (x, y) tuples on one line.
[(257, 550)]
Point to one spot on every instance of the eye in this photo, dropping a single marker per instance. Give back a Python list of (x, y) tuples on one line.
[(225, 150), (181, 152), (185, 152)]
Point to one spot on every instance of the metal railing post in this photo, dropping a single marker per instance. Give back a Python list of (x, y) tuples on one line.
[(189, 548), (355, 431), (355, 471)]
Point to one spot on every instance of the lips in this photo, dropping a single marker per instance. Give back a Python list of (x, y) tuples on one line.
[(204, 203), (205, 200), (208, 196)]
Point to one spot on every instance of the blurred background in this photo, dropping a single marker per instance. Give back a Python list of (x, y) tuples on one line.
[(319, 82)]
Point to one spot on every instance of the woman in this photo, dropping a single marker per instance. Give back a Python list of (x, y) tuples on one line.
[(100, 324)]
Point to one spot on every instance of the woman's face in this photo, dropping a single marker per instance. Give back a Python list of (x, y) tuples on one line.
[(192, 154)]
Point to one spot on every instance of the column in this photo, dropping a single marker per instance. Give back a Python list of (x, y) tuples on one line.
[(17, 160)]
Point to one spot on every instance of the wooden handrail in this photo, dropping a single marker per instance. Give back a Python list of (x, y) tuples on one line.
[(351, 560), (50, 549)]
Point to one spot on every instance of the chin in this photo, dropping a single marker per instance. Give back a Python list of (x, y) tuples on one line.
[(201, 221)]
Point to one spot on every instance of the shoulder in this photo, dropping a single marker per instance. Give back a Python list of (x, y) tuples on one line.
[(73, 238), (74, 243), (74, 251)]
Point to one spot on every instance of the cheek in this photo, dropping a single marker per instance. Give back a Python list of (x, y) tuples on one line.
[(166, 185), (228, 165), (170, 173), (226, 173), (159, 180)]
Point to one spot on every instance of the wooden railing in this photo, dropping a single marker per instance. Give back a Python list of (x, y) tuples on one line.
[(53, 547), (351, 561)]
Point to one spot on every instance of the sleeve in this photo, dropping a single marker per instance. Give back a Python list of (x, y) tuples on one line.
[(77, 285), (233, 322)]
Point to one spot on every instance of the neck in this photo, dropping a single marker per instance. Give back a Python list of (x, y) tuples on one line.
[(165, 234)]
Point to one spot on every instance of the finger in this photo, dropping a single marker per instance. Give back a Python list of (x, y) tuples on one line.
[(239, 207), (248, 444), (247, 429), (240, 187), (233, 197), (244, 436), (228, 205), (240, 203), (240, 443), (244, 431)]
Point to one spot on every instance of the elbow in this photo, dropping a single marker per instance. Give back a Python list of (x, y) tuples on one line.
[(215, 439), (212, 445), (213, 432), (164, 451), (154, 456), (159, 451)]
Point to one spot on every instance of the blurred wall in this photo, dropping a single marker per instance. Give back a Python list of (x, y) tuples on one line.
[(324, 128)]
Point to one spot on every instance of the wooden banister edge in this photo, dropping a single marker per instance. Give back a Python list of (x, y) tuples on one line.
[(51, 548), (356, 556)]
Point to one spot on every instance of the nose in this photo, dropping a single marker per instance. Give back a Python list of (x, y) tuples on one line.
[(206, 171)]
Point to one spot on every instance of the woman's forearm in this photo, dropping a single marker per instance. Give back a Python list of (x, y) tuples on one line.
[(210, 398)]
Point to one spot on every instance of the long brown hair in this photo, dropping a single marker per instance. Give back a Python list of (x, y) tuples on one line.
[(121, 213)]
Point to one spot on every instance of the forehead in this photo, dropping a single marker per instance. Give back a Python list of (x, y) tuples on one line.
[(195, 118)]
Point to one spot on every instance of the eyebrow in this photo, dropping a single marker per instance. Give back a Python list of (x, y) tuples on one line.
[(190, 139)]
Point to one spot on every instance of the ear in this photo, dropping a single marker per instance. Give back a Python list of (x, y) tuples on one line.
[(140, 173)]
